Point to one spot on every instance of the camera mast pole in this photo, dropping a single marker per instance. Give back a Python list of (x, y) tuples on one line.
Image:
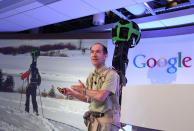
[(125, 35)]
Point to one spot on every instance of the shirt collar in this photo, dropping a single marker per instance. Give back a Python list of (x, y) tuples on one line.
[(102, 69)]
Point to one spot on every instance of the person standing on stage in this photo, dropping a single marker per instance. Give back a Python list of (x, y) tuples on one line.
[(101, 91)]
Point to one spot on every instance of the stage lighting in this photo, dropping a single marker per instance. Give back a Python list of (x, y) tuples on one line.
[(171, 3)]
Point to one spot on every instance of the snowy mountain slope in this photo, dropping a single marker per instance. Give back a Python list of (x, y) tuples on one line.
[(14, 118)]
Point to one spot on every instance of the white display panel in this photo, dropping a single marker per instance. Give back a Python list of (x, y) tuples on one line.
[(159, 91), (165, 60), (162, 107)]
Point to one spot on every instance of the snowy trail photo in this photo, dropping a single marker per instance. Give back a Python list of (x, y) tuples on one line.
[(14, 119)]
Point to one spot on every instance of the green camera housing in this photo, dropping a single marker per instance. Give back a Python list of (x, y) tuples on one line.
[(35, 53), (124, 32)]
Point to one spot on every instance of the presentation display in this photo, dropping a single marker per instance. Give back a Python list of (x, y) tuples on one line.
[(158, 94)]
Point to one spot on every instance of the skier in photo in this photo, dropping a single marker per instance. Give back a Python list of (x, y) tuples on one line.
[(33, 81)]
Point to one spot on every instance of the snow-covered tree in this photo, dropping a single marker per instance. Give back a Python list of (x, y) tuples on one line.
[(44, 93), (9, 82), (51, 93)]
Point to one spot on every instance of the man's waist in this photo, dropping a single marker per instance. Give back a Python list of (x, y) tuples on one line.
[(96, 114), (108, 113)]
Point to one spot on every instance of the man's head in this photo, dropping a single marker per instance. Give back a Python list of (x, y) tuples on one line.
[(98, 55)]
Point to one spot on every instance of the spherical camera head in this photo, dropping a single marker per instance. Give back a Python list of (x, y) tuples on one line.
[(35, 53), (126, 31)]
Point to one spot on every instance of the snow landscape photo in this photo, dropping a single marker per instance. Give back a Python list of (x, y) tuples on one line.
[(58, 67)]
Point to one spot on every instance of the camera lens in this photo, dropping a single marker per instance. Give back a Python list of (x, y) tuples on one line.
[(124, 33)]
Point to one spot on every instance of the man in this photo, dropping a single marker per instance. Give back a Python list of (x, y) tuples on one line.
[(35, 81), (102, 91)]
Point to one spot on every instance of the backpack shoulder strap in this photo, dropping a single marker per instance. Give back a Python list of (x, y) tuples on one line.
[(90, 80), (104, 74)]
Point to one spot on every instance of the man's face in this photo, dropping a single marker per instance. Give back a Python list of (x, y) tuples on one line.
[(97, 56)]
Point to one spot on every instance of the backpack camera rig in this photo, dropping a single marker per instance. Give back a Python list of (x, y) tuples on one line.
[(34, 70), (125, 35)]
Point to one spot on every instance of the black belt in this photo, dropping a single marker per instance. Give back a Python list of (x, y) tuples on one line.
[(97, 114)]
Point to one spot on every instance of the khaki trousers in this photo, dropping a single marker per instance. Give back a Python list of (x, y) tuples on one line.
[(110, 122)]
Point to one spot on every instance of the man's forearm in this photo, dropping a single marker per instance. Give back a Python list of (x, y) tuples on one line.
[(94, 94), (79, 96), (97, 94)]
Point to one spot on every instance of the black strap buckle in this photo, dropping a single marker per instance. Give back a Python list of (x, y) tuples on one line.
[(97, 114)]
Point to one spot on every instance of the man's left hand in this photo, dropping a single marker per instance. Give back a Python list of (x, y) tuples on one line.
[(79, 88)]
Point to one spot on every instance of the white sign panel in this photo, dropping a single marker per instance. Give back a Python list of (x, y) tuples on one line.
[(162, 107), (160, 81)]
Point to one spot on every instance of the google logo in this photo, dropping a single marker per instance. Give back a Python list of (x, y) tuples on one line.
[(141, 61)]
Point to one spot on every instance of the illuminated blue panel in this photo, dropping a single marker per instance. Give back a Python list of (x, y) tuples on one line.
[(168, 22), (148, 25), (179, 20)]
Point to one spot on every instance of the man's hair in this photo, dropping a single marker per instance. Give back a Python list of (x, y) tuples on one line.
[(104, 48)]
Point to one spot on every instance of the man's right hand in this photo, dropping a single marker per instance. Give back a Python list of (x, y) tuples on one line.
[(65, 91), (68, 91)]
